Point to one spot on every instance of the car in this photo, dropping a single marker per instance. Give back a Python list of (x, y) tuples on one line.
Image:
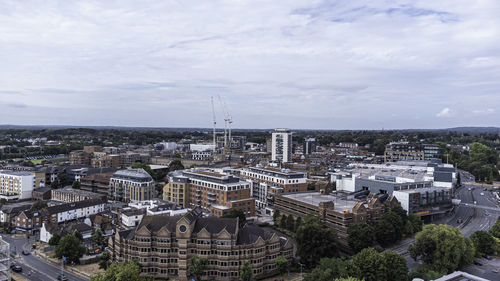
[(26, 253), (62, 277), (459, 220), (482, 193), (478, 263), (17, 268), (475, 202)]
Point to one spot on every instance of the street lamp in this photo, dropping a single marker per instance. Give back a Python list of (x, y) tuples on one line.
[(301, 270)]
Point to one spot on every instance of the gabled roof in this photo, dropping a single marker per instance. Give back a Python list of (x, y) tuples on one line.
[(216, 225), (155, 223), (250, 235)]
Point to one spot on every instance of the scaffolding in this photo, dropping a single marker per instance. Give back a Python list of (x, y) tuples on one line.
[(4, 260)]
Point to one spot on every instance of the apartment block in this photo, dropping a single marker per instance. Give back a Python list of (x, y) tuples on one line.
[(267, 182), (281, 146), (216, 194), (16, 184), (131, 185), (96, 183), (404, 151), (163, 245), (177, 190)]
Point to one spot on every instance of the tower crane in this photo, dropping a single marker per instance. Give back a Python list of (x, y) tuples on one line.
[(228, 120), (213, 113)]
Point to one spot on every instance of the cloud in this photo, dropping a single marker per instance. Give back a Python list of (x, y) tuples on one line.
[(486, 111), (345, 61), (446, 112)]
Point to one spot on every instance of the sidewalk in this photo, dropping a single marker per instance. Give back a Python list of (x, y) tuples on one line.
[(48, 259)]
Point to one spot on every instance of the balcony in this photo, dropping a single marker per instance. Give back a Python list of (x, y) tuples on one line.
[(211, 193)]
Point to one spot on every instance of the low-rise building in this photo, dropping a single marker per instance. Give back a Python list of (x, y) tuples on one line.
[(96, 183), (16, 184), (396, 151), (425, 201), (131, 217), (33, 219), (337, 210), (163, 245), (69, 194)]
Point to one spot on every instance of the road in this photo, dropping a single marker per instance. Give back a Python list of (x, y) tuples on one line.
[(34, 268), (475, 212)]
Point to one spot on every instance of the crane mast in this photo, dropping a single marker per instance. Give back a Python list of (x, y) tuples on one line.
[(213, 113)]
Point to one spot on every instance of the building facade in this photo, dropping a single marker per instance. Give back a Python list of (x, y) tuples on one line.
[(281, 146), (96, 183), (337, 211), (69, 195), (16, 184), (177, 190), (165, 244), (131, 185), (404, 151), (268, 182), (309, 145)]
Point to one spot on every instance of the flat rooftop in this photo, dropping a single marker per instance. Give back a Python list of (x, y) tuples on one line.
[(366, 173), (314, 198), (15, 173)]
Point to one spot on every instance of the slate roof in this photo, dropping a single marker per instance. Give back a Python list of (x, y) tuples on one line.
[(250, 235), (216, 225), (155, 223)]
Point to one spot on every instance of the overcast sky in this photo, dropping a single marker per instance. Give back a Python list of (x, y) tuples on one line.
[(298, 64)]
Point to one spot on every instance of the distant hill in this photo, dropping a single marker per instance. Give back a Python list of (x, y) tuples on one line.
[(174, 129)]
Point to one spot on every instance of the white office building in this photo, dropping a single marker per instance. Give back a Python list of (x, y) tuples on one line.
[(281, 145)]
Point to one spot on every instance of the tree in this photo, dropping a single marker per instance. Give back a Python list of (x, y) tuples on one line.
[(442, 247), (330, 268), (290, 223), (298, 223), (283, 221), (315, 241), (76, 185), (246, 271), (495, 229), (282, 265), (175, 165), (484, 243), (197, 268), (54, 240), (38, 205), (98, 238), (276, 216), (360, 236), (395, 266), (145, 167), (78, 235), (122, 272), (70, 247), (237, 214), (390, 228), (413, 224), (371, 265), (104, 260), (348, 279), (423, 272)]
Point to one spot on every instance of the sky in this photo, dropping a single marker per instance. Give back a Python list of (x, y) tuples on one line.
[(309, 64)]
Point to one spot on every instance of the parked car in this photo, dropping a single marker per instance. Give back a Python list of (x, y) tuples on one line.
[(26, 253), (62, 277), (17, 268)]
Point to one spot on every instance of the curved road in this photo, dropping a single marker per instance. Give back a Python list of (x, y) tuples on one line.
[(34, 268)]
